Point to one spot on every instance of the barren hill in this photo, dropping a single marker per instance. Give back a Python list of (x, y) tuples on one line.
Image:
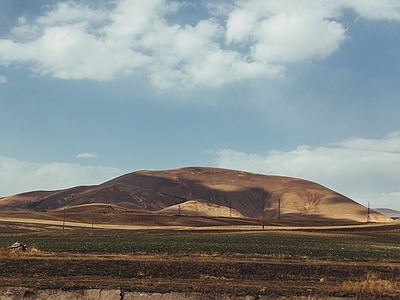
[(204, 191), (391, 213)]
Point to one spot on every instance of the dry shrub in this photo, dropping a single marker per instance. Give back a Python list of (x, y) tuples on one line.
[(4, 252), (370, 285), (33, 250), (281, 256)]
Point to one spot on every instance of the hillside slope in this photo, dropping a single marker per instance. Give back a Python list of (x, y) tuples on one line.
[(245, 194), (391, 213)]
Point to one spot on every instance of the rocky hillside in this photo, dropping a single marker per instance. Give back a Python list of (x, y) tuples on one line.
[(204, 191)]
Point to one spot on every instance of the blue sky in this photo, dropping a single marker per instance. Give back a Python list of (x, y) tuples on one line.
[(90, 90)]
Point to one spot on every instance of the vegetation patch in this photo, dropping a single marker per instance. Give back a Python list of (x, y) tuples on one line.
[(323, 263), (353, 246)]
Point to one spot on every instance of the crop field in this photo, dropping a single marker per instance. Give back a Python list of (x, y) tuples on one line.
[(359, 263), (355, 246)]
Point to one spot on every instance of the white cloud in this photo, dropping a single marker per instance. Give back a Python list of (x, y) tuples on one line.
[(364, 169), (292, 38), (390, 143), (248, 39), (21, 176), (3, 79), (71, 12), (285, 31), (379, 200), (86, 155), (375, 9)]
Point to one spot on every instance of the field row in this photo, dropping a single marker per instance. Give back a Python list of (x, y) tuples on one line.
[(355, 246), (353, 263), (211, 275)]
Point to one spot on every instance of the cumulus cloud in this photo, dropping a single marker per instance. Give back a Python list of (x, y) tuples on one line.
[(237, 40), (284, 32), (3, 79), (87, 155), (363, 169), (389, 143), (375, 9), (18, 176)]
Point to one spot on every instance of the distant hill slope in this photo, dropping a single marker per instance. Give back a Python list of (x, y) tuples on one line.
[(394, 214), (245, 194)]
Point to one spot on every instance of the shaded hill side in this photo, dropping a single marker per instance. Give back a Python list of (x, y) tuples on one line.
[(250, 195), (391, 213)]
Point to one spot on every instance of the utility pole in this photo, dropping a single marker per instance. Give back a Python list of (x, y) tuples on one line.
[(92, 224), (368, 214), (230, 209), (263, 209), (279, 208), (63, 222)]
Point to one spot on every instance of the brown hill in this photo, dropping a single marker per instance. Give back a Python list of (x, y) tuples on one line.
[(391, 213), (202, 208), (204, 191)]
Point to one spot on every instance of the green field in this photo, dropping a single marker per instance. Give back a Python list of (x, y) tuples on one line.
[(363, 263), (337, 245)]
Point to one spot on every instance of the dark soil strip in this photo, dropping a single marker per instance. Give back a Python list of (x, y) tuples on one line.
[(286, 278)]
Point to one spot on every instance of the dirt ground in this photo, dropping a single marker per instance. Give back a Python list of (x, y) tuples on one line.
[(236, 276), (203, 276)]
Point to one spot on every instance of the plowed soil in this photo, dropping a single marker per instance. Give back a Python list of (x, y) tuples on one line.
[(357, 261), (235, 275)]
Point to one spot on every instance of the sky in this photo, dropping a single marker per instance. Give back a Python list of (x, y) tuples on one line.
[(93, 89)]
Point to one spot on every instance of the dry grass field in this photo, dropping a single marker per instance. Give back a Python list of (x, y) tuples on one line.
[(222, 256)]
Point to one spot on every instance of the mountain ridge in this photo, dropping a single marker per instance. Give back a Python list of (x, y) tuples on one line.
[(209, 189)]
